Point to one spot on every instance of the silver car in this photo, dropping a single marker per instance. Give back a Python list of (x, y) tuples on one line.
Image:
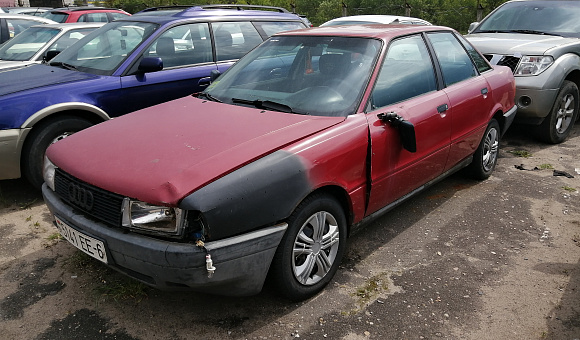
[(41, 42), (540, 42), (13, 24)]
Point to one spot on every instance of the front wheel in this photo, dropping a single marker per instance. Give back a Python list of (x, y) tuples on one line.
[(557, 125), (312, 248), (485, 157), (41, 137)]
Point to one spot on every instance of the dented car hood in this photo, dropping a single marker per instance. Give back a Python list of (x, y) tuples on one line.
[(162, 153)]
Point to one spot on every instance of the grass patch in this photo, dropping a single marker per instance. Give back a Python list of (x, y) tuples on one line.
[(521, 153), (567, 188), (55, 237), (27, 205), (372, 287), (122, 289), (546, 166)]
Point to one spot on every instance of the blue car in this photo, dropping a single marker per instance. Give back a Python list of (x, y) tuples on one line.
[(152, 57)]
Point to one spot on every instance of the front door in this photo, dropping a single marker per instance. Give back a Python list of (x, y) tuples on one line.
[(407, 86)]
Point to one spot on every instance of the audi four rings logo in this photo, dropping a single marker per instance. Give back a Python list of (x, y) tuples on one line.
[(80, 196)]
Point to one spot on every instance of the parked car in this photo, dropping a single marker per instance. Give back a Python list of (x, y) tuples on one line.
[(375, 19), (124, 66), (308, 136), (540, 42), (36, 11), (33, 45), (13, 24), (84, 14)]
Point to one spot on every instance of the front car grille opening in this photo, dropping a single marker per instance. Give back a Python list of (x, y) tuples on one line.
[(100, 204), (506, 60), (509, 61)]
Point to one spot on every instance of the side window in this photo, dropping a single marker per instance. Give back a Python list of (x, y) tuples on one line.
[(67, 39), (234, 39), (183, 45), (15, 26), (93, 17), (478, 59), (453, 59), (406, 72), (271, 28)]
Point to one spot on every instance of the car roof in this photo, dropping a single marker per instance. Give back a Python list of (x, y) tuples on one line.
[(26, 9), (210, 12), (379, 19), (381, 31), (26, 17), (78, 9), (72, 25)]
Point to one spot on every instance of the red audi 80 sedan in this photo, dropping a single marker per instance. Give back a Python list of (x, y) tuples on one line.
[(266, 172)]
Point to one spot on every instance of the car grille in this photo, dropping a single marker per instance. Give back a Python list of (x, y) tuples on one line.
[(506, 60), (104, 205)]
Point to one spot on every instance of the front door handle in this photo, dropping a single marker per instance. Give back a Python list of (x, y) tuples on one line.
[(442, 108), (203, 82)]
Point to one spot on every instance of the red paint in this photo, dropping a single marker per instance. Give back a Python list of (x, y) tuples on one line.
[(162, 153)]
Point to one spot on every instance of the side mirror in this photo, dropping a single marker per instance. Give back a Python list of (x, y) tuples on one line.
[(472, 26), (407, 132), (49, 55), (406, 129), (150, 64), (214, 74)]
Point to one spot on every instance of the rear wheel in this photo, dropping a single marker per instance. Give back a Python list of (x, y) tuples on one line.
[(312, 248), (41, 137), (485, 157), (557, 125)]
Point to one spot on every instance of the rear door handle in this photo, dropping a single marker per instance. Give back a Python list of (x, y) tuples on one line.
[(442, 108), (484, 91)]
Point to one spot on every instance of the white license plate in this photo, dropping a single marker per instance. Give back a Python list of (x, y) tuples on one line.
[(87, 244)]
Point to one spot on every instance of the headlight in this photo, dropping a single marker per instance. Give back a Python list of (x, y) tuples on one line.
[(48, 170), (533, 65), (153, 219)]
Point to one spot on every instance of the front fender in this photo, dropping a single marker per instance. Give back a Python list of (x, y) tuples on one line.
[(258, 194), (60, 107)]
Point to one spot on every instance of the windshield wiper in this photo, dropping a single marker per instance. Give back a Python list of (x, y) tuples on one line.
[(64, 65), (534, 32), (268, 105), (519, 31), (208, 97)]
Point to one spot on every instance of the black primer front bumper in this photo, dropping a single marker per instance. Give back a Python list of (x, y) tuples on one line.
[(241, 262)]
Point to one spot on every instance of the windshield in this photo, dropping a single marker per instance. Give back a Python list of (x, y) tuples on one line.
[(102, 51), (536, 17), (323, 76), (23, 46)]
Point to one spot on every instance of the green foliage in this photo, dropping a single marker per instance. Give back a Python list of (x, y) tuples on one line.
[(457, 14)]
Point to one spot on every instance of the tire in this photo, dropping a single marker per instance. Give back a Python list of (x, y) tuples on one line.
[(41, 137), (485, 157), (302, 266), (557, 125)]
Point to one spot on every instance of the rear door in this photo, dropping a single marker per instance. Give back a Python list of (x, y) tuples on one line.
[(407, 86), (468, 92)]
